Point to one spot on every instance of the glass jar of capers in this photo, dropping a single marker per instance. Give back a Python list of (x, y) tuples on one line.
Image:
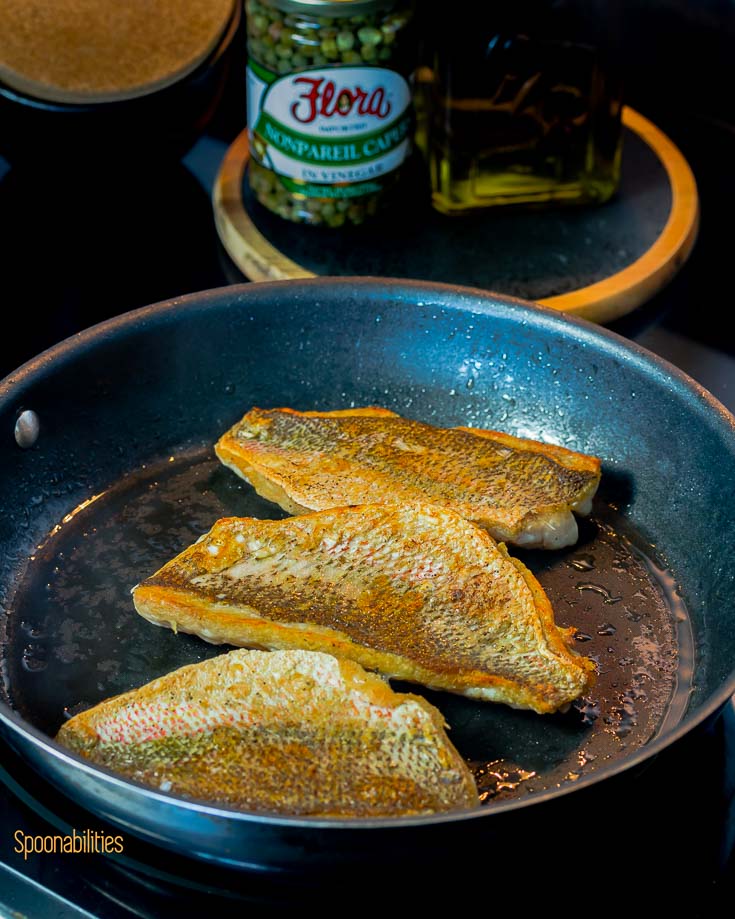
[(329, 105)]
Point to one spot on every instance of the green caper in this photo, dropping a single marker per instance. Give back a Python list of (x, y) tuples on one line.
[(345, 41), (309, 50), (369, 35), (329, 48)]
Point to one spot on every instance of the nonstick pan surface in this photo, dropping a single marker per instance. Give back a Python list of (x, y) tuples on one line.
[(123, 477)]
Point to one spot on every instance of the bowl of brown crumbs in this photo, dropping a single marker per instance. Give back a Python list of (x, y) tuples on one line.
[(81, 79)]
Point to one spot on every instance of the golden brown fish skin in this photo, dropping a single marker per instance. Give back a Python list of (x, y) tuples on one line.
[(291, 733), (521, 491), (415, 592)]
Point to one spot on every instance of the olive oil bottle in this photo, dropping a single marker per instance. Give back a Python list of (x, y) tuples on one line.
[(522, 102)]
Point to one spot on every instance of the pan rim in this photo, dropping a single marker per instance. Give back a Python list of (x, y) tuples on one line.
[(457, 298)]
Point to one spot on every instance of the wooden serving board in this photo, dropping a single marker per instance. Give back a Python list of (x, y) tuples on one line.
[(78, 52), (597, 262)]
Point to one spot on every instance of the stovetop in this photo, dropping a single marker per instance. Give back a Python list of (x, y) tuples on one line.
[(78, 252)]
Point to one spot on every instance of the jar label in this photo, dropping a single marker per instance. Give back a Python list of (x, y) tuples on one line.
[(329, 126)]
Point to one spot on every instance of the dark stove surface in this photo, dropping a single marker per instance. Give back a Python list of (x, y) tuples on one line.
[(78, 251)]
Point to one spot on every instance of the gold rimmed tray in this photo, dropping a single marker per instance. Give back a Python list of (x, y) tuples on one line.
[(595, 262)]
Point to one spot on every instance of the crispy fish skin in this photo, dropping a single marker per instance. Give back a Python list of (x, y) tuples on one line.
[(414, 591), (521, 491), (288, 732)]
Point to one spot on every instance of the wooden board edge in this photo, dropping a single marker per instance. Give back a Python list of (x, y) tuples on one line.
[(257, 258), (633, 285)]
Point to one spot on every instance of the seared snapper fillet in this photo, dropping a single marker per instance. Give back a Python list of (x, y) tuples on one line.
[(521, 491), (414, 591), (291, 732)]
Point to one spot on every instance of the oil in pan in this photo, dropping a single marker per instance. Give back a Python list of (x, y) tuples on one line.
[(76, 639)]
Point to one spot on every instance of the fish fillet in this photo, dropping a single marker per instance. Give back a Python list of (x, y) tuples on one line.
[(521, 491), (414, 591), (292, 732)]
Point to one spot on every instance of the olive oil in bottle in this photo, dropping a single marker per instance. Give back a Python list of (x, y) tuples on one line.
[(523, 104)]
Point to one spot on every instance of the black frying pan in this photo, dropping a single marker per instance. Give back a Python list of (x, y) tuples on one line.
[(122, 476)]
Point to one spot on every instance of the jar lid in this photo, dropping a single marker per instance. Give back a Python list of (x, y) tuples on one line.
[(330, 7)]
